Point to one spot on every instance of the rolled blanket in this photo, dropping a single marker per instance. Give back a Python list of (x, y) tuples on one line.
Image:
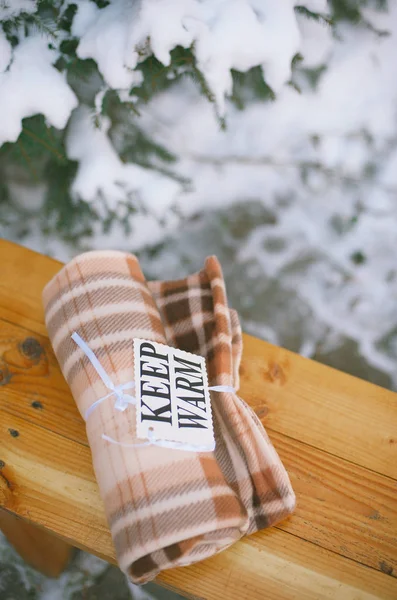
[(165, 507)]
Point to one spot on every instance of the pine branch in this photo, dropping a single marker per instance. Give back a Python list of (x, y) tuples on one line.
[(28, 160), (250, 86), (350, 10), (37, 144), (60, 156), (40, 149), (319, 17), (70, 217), (157, 77)]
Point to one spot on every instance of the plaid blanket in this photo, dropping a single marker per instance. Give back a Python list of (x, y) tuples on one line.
[(165, 507)]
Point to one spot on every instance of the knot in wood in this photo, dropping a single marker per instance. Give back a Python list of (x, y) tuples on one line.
[(31, 348)]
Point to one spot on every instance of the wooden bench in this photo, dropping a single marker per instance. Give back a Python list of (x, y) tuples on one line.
[(337, 436)]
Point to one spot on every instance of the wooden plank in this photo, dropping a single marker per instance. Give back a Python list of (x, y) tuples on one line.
[(39, 548), (24, 274), (335, 434), (348, 417), (26, 270), (277, 566), (341, 507), (49, 481), (32, 385), (35, 484), (367, 521), (365, 530), (21, 310), (323, 407)]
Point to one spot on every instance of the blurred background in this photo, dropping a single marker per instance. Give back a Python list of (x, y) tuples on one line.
[(260, 131)]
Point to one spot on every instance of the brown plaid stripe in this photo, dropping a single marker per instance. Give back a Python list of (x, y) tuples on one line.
[(165, 507)]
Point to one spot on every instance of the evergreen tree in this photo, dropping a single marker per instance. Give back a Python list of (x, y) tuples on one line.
[(39, 159)]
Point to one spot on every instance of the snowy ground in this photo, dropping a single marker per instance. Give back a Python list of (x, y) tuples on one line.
[(298, 198)]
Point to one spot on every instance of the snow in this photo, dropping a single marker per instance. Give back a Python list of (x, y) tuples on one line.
[(328, 215), (87, 12), (104, 37), (388, 174), (363, 63), (317, 42), (12, 8), (5, 52), (359, 61), (102, 174), (28, 196), (318, 6), (32, 85), (323, 161), (166, 24), (227, 34)]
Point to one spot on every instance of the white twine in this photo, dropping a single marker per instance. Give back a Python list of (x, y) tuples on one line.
[(123, 400)]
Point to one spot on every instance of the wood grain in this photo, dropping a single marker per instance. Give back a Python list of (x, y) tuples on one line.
[(39, 548), (341, 507), (278, 566), (24, 274), (48, 480), (323, 407), (287, 390), (336, 435), (32, 385)]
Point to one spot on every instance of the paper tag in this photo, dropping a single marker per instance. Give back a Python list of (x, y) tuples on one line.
[(173, 400)]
